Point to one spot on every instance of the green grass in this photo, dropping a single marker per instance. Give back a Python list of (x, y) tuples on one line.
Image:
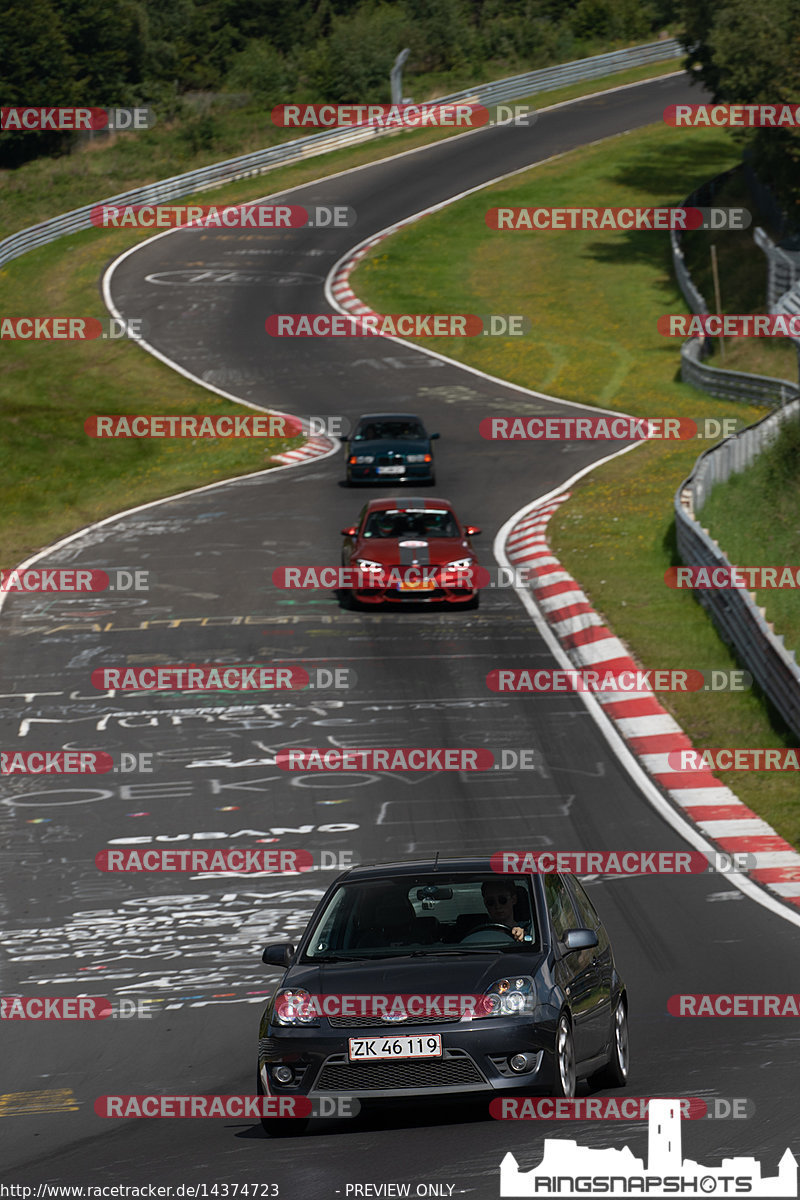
[(47, 187), (53, 477), (593, 300), (755, 517)]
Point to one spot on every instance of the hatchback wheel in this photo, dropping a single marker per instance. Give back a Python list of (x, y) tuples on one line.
[(564, 1083), (615, 1073)]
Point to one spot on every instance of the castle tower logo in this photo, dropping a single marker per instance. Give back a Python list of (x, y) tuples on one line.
[(568, 1169)]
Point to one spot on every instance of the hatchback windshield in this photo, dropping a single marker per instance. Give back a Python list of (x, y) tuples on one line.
[(428, 523), (425, 915)]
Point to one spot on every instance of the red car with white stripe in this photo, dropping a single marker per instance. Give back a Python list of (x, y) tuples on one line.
[(412, 531)]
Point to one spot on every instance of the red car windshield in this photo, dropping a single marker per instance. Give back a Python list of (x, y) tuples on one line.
[(413, 523)]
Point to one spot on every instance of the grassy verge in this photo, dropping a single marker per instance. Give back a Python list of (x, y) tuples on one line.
[(54, 478), (49, 186), (754, 517), (742, 270), (593, 300)]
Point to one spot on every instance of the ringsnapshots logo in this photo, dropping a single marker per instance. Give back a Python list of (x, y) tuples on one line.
[(21, 119), (568, 1169), (617, 219), (419, 325)]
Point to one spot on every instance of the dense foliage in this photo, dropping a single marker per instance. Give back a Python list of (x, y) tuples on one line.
[(147, 52)]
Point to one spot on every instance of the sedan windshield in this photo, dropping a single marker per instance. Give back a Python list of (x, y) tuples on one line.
[(413, 523), (425, 915), (398, 431)]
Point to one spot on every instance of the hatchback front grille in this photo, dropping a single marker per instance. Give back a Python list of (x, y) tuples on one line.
[(377, 1023), (455, 1069)]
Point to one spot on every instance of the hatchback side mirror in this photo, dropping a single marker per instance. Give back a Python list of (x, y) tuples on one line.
[(580, 939), (278, 955)]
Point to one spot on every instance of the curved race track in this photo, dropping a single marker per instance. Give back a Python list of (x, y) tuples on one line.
[(194, 943)]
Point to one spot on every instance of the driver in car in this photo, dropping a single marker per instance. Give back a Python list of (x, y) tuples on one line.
[(499, 897)]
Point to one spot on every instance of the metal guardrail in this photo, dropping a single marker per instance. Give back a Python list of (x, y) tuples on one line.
[(247, 166), (719, 381), (735, 613)]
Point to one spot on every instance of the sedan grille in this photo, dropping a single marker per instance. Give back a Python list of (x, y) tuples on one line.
[(389, 1074)]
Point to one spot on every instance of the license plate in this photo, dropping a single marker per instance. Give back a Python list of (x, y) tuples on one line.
[(418, 585), (391, 470), (428, 1046)]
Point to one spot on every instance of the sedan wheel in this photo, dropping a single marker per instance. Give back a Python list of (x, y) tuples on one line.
[(564, 1084)]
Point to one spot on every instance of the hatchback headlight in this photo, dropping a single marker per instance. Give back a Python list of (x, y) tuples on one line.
[(509, 997), (294, 1006), (461, 564), (367, 564)]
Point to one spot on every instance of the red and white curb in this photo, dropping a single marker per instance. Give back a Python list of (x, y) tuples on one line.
[(315, 447), (649, 731), (340, 288)]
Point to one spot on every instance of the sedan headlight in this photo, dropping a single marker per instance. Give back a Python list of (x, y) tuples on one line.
[(418, 458), (293, 1006), (509, 997), (361, 458)]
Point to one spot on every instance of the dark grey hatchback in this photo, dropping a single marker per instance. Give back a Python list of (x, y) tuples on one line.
[(440, 979)]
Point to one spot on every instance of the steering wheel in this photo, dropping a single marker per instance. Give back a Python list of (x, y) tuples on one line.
[(489, 925)]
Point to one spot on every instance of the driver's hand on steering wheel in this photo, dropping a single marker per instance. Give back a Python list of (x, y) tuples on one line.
[(518, 933)]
